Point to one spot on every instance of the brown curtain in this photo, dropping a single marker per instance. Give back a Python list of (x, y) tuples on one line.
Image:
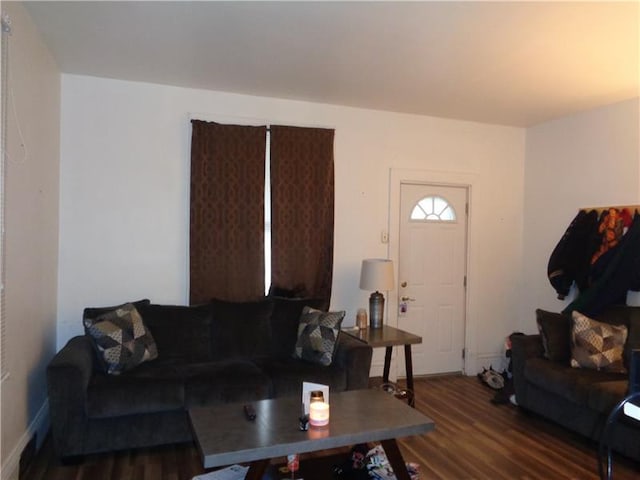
[(227, 212), (302, 210)]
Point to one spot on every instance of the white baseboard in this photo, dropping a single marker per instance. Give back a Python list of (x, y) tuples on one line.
[(39, 426)]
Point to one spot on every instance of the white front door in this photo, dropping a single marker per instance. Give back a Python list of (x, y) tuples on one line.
[(431, 274)]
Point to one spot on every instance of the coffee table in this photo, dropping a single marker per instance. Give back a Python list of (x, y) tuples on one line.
[(224, 436)]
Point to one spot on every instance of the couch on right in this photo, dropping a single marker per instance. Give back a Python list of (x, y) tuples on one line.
[(557, 377)]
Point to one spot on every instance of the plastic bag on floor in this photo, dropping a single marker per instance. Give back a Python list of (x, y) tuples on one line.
[(234, 472), (380, 469)]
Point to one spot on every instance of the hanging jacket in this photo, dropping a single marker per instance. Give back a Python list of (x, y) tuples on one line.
[(621, 275), (613, 225), (571, 257)]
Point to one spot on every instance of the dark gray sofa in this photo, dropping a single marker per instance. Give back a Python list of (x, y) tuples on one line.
[(577, 398), (207, 354)]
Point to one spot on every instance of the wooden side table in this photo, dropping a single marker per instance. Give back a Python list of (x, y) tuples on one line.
[(389, 337)]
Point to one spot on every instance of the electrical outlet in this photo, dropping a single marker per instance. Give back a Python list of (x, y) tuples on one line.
[(384, 236)]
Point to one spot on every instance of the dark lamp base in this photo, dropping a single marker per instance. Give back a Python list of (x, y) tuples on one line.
[(376, 310)]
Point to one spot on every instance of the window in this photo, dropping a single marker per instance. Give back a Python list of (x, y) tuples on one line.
[(267, 216), (6, 30), (433, 209), (262, 206)]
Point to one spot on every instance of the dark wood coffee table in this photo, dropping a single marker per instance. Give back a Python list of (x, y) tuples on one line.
[(224, 436)]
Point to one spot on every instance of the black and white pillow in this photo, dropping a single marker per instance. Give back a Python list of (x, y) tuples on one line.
[(318, 335), (121, 338)]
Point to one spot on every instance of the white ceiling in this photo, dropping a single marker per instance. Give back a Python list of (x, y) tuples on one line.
[(512, 63)]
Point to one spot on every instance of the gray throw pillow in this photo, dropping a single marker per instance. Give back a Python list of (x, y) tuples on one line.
[(597, 345), (318, 335), (121, 339)]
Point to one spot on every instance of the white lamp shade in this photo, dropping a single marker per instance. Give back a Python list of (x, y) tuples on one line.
[(376, 274)]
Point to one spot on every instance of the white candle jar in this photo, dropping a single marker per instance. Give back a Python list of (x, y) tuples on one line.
[(319, 414)]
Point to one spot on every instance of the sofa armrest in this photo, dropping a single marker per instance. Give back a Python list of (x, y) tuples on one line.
[(523, 347), (355, 357), (68, 376)]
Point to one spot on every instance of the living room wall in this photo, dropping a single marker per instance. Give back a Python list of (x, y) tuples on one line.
[(589, 159), (31, 216), (125, 205)]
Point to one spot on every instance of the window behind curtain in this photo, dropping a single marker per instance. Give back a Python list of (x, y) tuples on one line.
[(298, 219), (226, 252), (302, 210)]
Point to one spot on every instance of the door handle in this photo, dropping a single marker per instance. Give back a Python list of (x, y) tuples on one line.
[(407, 299)]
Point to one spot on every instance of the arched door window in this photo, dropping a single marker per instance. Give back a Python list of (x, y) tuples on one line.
[(433, 209)]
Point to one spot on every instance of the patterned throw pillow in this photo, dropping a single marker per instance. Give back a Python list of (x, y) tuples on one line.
[(597, 345), (121, 338), (317, 335)]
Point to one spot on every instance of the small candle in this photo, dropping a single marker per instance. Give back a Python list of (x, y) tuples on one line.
[(319, 414), (361, 318)]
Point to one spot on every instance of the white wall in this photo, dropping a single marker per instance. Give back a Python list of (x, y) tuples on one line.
[(585, 160), (32, 192), (124, 198)]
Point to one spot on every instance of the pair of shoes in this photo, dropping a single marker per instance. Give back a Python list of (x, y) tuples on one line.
[(492, 378)]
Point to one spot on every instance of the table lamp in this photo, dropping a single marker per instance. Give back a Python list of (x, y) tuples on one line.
[(376, 274)]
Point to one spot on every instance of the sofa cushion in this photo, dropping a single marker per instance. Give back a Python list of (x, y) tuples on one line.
[(317, 335), (93, 312), (224, 381), (573, 384), (287, 375), (150, 390), (240, 329), (597, 345), (121, 338), (180, 332), (297, 291), (603, 396), (555, 332), (284, 323)]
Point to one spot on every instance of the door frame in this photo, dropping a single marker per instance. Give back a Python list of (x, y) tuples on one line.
[(397, 177)]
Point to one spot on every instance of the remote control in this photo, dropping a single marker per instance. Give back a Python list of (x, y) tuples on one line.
[(249, 412)]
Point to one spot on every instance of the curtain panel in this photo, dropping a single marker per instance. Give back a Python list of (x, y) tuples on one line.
[(302, 210), (226, 252)]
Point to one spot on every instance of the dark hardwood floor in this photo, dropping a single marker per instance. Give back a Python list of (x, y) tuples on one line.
[(474, 439)]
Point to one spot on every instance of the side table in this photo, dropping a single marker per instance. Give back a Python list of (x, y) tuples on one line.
[(389, 337)]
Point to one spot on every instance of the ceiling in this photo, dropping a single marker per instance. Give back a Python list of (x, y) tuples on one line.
[(512, 63)]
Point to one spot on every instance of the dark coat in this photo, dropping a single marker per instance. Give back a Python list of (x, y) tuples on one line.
[(622, 274), (570, 260)]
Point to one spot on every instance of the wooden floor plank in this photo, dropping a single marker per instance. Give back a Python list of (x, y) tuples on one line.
[(473, 439)]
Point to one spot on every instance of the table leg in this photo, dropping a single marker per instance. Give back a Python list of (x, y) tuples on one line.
[(409, 372), (387, 364), (395, 459), (257, 469)]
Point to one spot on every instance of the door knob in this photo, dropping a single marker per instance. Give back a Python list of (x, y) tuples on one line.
[(407, 299), (403, 284)]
